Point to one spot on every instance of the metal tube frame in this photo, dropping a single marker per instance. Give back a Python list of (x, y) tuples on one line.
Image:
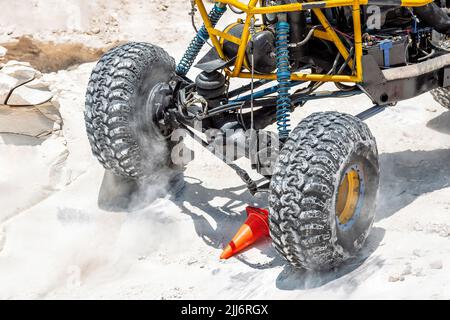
[(252, 8)]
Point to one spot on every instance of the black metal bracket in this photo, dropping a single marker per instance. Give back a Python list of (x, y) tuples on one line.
[(369, 113)]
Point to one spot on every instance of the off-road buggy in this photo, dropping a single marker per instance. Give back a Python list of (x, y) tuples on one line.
[(323, 187)]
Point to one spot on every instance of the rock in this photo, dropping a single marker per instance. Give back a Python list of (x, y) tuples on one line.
[(437, 265), (163, 7), (408, 270), (23, 85), (444, 233), (7, 84), (418, 253), (95, 31), (51, 112), (441, 229), (28, 121), (3, 51), (26, 96), (20, 70), (396, 278), (418, 272), (38, 84)]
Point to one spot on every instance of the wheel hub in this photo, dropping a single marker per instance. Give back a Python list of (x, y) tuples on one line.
[(159, 100), (349, 195)]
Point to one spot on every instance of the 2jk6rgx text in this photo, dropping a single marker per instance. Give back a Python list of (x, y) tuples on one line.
[(228, 310)]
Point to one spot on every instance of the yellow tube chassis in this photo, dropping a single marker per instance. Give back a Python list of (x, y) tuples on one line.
[(253, 8)]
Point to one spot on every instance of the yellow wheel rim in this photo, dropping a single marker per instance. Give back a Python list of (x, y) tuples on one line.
[(348, 196)]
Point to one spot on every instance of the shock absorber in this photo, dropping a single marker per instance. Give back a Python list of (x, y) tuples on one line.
[(199, 40), (283, 78)]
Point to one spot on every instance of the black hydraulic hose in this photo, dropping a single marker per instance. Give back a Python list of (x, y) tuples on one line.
[(247, 87), (304, 41), (428, 56), (235, 10), (435, 17)]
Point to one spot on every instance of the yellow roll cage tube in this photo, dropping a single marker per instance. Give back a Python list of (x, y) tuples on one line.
[(327, 33)]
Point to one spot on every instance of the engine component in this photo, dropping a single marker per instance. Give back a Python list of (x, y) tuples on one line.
[(298, 31), (390, 52), (158, 101), (231, 141), (210, 85), (296, 20), (435, 17), (283, 77), (264, 152), (199, 41), (269, 18), (263, 48)]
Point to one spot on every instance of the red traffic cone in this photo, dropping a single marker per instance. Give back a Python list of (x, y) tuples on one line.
[(255, 228)]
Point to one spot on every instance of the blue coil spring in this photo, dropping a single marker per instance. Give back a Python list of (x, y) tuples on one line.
[(198, 42), (283, 77)]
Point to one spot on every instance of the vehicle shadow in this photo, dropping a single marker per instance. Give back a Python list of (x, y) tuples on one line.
[(407, 175), (230, 216), (196, 199), (404, 177), (124, 194), (441, 123), (115, 193)]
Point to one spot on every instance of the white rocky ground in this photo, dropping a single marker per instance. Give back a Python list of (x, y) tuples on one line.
[(59, 239)]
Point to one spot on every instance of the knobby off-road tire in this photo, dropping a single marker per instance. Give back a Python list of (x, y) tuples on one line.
[(309, 184), (442, 96), (118, 120)]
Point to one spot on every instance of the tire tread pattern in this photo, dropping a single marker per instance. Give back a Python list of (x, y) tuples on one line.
[(442, 96), (110, 105), (303, 187)]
